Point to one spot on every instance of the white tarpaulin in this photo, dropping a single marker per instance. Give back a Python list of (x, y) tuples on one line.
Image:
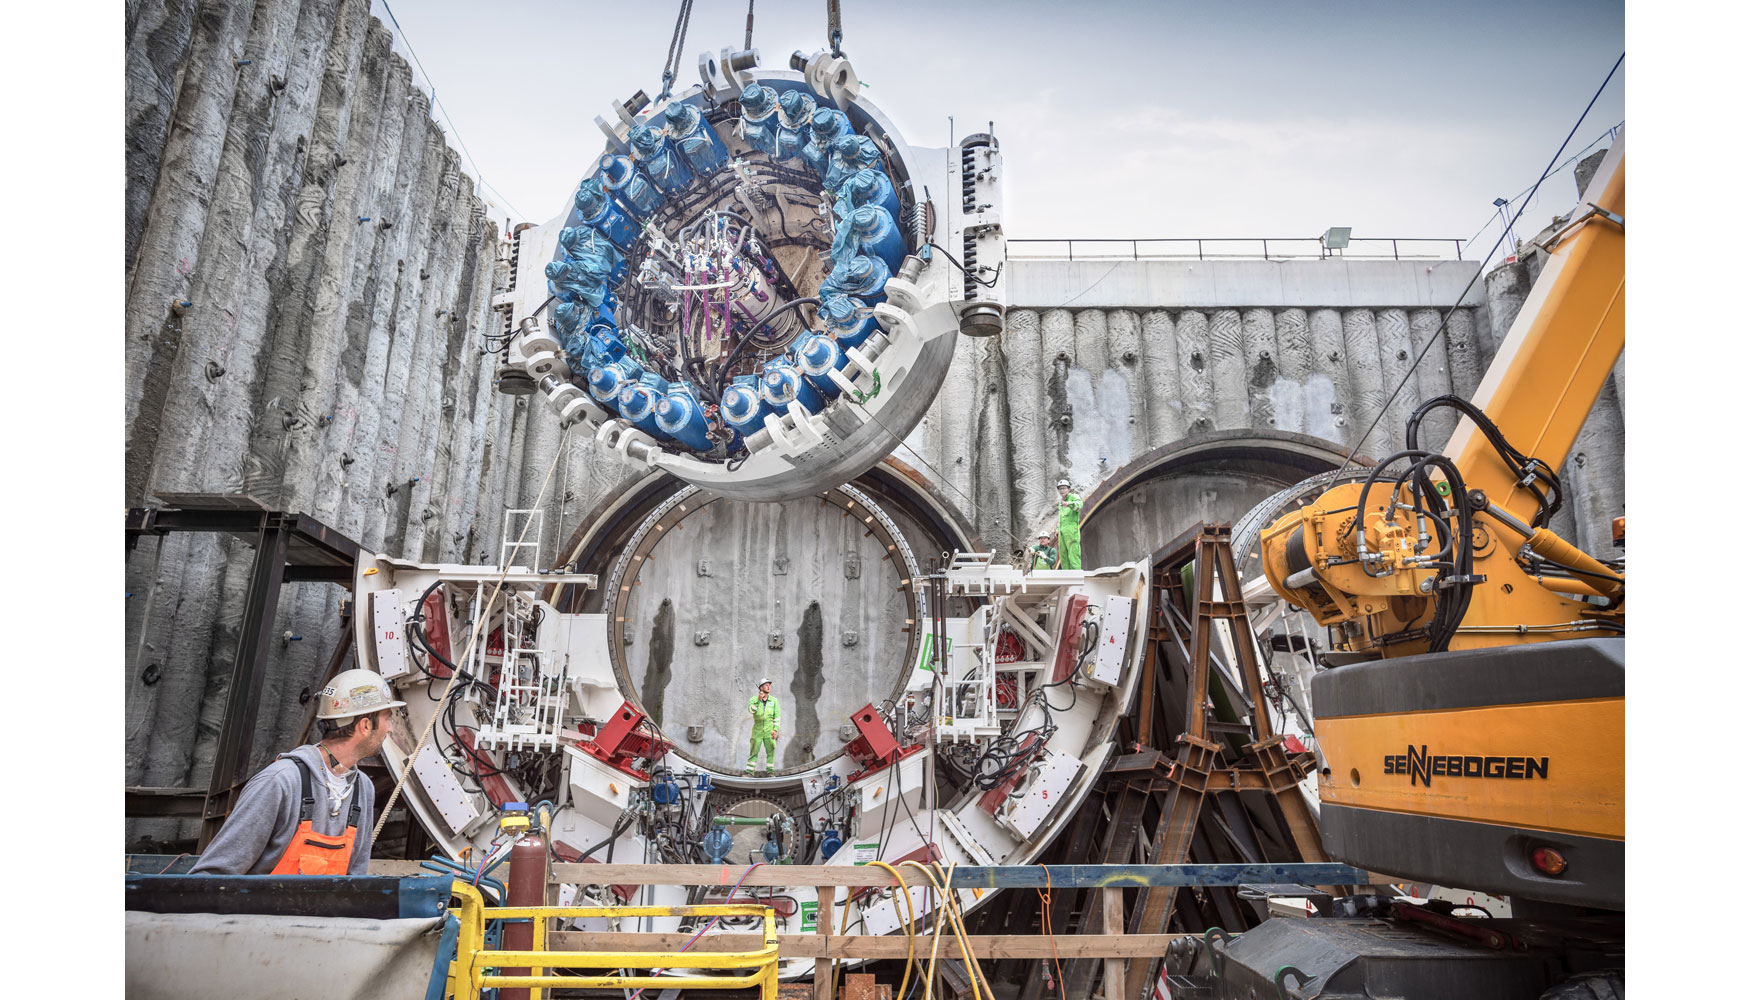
[(207, 956)]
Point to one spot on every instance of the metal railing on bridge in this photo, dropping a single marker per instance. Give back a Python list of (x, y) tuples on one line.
[(1236, 248)]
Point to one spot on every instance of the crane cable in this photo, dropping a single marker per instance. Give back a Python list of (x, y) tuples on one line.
[(834, 32), (677, 44), (1444, 320)]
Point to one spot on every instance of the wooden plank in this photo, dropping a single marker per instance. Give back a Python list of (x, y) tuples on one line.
[(870, 946), (1112, 922), (965, 876), (969, 876), (823, 930)]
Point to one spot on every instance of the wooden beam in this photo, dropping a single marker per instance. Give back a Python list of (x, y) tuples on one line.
[(1112, 922), (823, 931), (871, 946), (964, 877)]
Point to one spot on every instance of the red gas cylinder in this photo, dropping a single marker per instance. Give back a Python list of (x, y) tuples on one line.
[(526, 886)]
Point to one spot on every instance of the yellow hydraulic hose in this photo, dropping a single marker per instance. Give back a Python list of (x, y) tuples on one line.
[(910, 930), (951, 903)]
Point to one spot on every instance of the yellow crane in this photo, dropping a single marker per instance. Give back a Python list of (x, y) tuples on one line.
[(1474, 734)]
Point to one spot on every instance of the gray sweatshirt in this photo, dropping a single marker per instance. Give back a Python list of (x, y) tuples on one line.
[(255, 835)]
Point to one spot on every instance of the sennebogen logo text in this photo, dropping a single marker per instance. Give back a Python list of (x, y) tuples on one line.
[(1420, 765)]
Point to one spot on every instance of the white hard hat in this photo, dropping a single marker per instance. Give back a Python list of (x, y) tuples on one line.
[(356, 692), (764, 681), (1063, 482), (1045, 534)]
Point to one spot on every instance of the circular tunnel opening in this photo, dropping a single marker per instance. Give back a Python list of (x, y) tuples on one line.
[(705, 596)]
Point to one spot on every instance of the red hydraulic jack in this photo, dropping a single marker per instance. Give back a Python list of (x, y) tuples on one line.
[(874, 748), (623, 739)]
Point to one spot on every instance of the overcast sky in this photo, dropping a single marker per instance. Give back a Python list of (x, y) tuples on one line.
[(1141, 119)]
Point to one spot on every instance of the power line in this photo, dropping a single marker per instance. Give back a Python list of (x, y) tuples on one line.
[(1607, 133), (454, 131), (1473, 280)]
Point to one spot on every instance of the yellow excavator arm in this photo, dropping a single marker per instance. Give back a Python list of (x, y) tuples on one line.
[(1455, 552)]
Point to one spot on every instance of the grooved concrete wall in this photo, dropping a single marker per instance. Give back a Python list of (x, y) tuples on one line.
[(286, 182)]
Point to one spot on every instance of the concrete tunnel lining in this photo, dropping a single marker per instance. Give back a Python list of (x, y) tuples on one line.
[(690, 579)]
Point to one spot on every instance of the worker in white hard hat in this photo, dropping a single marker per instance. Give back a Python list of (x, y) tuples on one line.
[(309, 812), (1069, 527), (764, 709), (1042, 554)]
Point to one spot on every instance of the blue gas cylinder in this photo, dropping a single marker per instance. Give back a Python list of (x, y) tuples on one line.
[(697, 141), (848, 321), (599, 213), (622, 179), (759, 118), (817, 356), (868, 187), (875, 234), (608, 378), (861, 277), (781, 383), (655, 156), (742, 408), (680, 415), (795, 108), (638, 402)]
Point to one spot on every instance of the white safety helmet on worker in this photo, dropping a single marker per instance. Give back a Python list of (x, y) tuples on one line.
[(1063, 482), (355, 692), (764, 681)]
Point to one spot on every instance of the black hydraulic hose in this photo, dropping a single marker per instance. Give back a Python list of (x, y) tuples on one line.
[(772, 314), (1373, 477)]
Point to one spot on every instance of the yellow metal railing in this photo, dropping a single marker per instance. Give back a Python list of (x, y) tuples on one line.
[(468, 974)]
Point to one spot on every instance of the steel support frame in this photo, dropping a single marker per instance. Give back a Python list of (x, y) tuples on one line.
[(272, 534), (1198, 767)]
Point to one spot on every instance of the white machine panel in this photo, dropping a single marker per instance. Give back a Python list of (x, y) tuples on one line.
[(1023, 815), (453, 802), (390, 630), (606, 790), (1114, 637), (877, 791), (963, 837), (888, 915)]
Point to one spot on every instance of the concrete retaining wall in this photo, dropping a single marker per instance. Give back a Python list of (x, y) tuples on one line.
[(287, 182)]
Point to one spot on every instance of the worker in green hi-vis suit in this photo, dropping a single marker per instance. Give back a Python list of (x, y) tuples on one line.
[(764, 708), (1042, 554), (1069, 527)]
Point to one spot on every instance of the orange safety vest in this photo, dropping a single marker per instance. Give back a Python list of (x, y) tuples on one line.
[(312, 853)]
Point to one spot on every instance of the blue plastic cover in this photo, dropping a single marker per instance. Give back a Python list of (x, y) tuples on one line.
[(653, 153), (824, 126), (859, 276), (867, 187), (850, 153), (697, 141), (759, 118), (601, 214)]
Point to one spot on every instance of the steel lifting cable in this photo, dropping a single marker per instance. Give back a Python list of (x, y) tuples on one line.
[(473, 638), (834, 32), (1444, 320), (748, 44), (677, 44)]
